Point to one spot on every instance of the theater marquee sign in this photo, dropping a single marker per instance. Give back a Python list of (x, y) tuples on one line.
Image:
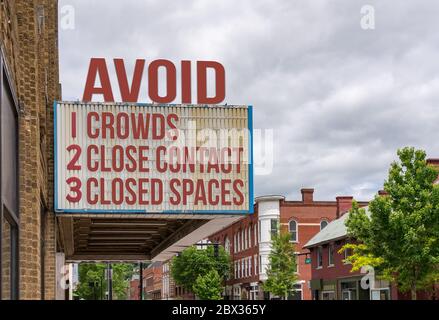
[(152, 158)]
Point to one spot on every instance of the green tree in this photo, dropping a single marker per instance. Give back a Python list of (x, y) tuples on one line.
[(192, 263), (92, 280), (208, 286), (282, 268), (400, 236)]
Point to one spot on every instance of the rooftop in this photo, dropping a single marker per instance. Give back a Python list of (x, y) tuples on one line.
[(335, 230)]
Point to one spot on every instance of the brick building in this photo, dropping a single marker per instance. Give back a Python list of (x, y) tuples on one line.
[(248, 240), (29, 85), (332, 278), (153, 281)]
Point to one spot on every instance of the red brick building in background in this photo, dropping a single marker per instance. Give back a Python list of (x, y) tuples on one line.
[(248, 241), (332, 278), (153, 281)]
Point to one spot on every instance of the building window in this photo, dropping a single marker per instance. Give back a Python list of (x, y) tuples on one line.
[(242, 239), (328, 295), (292, 228), (296, 293), (319, 257), (255, 261), (323, 224), (245, 268), (347, 254), (255, 229), (236, 269), (273, 228), (250, 241), (297, 261), (244, 231), (259, 231), (250, 266), (242, 268), (227, 245), (9, 211), (331, 255)]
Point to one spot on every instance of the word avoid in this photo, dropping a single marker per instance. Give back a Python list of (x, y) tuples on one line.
[(130, 89)]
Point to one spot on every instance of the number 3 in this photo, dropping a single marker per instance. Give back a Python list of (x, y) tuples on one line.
[(75, 185)]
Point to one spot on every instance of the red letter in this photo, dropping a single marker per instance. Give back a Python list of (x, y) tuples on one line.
[(177, 199), (98, 66), (90, 167), (73, 124), (171, 81), (107, 123), (92, 135), (159, 167), (186, 85), (114, 194), (89, 199), (220, 82), (131, 191), (143, 159), (132, 161), (122, 117), (126, 94), (239, 199)]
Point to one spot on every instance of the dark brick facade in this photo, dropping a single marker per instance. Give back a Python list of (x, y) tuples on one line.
[(30, 48)]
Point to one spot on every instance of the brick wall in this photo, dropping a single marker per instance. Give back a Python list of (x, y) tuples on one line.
[(29, 38)]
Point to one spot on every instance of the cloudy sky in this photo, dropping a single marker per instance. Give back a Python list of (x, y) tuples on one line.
[(340, 99)]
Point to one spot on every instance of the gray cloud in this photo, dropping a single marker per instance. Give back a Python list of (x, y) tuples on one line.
[(340, 99)]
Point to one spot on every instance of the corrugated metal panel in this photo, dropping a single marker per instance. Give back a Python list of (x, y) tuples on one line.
[(75, 126)]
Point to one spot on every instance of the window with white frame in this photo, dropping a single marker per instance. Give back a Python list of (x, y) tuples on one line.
[(292, 228), (256, 234), (319, 257), (331, 255), (323, 224), (245, 268), (242, 268), (242, 239), (236, 269), (227, 244), (250, 266), (249, 236), (244, 231), (255, 259), (250, 241), (259, 230), (347, 254), (273, 227)]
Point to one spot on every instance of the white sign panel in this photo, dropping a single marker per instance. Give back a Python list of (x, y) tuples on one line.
[(143, 158)]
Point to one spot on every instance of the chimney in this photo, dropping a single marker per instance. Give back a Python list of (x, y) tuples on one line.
[(307, 195), (343, 204)]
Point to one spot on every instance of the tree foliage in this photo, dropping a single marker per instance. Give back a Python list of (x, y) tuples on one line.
[(282, 268), (92, 280), (194, 265), (208, 286), (400, 236)]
